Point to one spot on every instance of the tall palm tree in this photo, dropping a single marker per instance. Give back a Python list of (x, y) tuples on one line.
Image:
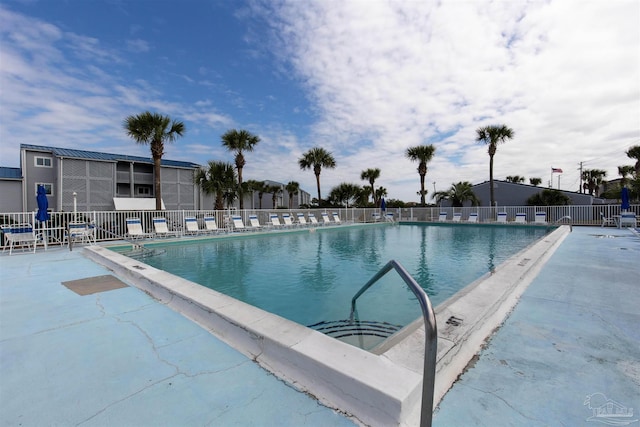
[(239, 141), (261, 188), (459, 193), (293, 188), (380, 193), (592, 179), (371, 175), (492, 136), (154, 129), (317, 158), (423, 155), (274, 190), (218, 178), (251, 186)]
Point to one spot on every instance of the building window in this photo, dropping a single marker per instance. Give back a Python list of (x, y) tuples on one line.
[(48, 188), (42, 162), (144, 191)]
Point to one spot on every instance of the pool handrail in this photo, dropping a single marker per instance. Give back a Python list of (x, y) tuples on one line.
[(430, 331)]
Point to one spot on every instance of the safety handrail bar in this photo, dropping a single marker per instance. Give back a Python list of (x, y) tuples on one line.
[(430, 331)]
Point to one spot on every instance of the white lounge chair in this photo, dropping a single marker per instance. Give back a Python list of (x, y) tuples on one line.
[(457, 216), (275, 220), (191, 226), (443, 216), (254, 223), (389, 217), (19, 235), (161, 229), (80, 231), (286, 218), (325, 218), (607, 221), (302, 221), (502, 217), (238, 225), (473, 217), (211, 225), (336, 218), (134, 229), (375, 216), (627, 219), (521, 218), (541, 218), (312, 219)]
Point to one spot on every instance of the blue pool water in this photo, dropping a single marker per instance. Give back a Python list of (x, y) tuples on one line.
[(311, 276)]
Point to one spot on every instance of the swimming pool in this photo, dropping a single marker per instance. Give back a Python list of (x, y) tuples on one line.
[(310, 277)]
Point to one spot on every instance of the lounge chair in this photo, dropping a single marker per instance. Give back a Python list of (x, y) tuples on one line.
[(211, 225), (628, 219), (22, 235), (191, 226), (389, 217), (457, 216), (80, 231), (502, 217), (541, 218), (286, 218), (275, 220), (375, 216), (336, 218), (254, 223), (238, 225), (521, 218), (473, 217), (312, 219), (443, 216), (161, 229), (302, 221), (134, 229), (607, 221), (325, 218)]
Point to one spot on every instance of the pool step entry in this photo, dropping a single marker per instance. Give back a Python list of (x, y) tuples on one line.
[(363, 334)]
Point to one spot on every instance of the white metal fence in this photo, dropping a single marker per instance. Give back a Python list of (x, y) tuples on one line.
[(111, 225)]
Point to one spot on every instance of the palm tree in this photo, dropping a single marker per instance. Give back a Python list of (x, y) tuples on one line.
[(261, 188), (458, 194), (218, 178), (592, 179), (515, 179), (625, 171), (492, 136), (251, 186), (371, 175), (239, 141), (423, 155), (292, 188), (535, 181), (380, 193), (154, 129), (634, 153), (274, 190), (317, 158), (345, 194)]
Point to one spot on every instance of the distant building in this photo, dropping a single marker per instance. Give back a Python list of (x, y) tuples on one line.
[(515, 194), (99, 178)]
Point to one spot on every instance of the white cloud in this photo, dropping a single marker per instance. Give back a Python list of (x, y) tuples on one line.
[(563, 75)]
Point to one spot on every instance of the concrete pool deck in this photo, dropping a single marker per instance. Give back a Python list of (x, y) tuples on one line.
[(121, 358)]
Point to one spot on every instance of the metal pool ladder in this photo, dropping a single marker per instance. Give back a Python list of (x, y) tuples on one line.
[(430, 331)]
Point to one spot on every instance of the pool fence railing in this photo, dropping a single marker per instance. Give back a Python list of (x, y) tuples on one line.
[(111, 225)]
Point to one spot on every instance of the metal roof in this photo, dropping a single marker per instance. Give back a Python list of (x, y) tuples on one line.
[(107, 157), (10, 173)]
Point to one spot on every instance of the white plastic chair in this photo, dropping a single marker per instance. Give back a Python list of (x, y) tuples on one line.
[(521, 218), (134, 229), (473, 217), (19, 235), (161, 229), (254, 223), (191, 226), (502, 217)]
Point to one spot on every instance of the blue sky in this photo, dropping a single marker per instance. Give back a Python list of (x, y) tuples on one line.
[(364, 79)]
